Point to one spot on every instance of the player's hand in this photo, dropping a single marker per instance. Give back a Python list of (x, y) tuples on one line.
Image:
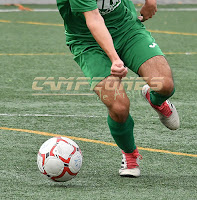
[(148, 10), (118, 69)]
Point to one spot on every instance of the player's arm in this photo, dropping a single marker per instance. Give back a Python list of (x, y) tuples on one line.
[(148, 10), (97, 27)]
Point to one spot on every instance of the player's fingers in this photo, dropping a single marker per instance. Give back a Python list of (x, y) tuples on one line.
[(120, 74), (117, 69), (125, 72)]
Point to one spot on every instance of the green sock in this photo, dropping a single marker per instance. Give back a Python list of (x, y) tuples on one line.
[(158, 99), (123, 134)]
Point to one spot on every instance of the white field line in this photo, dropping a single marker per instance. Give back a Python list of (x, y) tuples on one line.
[(55, 10), (47, 115), (177, 9), (9, 10)]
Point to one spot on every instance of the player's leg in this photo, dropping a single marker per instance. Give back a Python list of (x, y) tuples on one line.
[(95, 63), (120, 123), (143, 56), (119, 120), (159, 77)]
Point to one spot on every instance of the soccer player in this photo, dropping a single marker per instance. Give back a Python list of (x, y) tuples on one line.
[(107, 38)]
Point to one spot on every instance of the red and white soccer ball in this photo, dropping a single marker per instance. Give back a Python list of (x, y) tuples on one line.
[(59, 158)]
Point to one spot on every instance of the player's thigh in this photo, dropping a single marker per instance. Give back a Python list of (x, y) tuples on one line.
[(111, 91), (112, 94), (143, 56), (155, 67), (157, 74), (95, 65)]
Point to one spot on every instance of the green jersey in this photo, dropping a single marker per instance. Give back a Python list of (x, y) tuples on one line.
[(119, 16)]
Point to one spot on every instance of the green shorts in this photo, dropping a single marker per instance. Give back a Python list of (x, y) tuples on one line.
[(134, 48)]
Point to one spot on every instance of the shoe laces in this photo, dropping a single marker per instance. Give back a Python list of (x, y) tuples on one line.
[(132, 159), (164, 108)]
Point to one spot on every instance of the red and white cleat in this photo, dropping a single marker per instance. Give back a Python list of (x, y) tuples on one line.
[(130, 164), (167, 112)]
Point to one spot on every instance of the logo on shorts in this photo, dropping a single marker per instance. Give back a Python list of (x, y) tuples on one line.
[(153, 45)]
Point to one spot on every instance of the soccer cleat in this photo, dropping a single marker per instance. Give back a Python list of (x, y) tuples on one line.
[(167, 112), (130, 164)]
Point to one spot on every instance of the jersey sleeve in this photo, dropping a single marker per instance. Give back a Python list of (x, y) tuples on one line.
[(83, 5)]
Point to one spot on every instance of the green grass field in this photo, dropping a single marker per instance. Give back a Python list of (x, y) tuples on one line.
[(29, 50)]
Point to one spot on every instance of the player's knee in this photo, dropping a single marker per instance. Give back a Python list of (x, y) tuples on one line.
[(120, 110), (167, 87)]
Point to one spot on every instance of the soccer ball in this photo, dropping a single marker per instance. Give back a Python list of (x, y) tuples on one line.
[(59, 158)]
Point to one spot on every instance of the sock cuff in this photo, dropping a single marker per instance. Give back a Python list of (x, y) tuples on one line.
[(117, 125), (161, 95), (158, 99)]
